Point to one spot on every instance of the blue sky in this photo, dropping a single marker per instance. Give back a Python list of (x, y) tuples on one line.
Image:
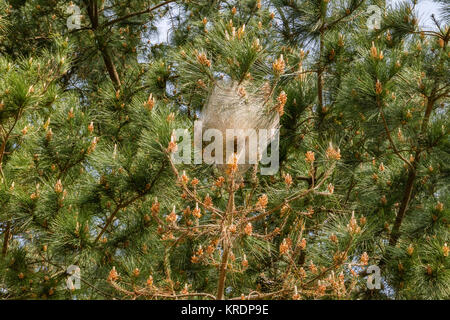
[(425, 9)]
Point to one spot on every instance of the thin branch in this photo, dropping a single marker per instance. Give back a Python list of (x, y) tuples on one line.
[(124, 205), (388, 133), (128, 16)]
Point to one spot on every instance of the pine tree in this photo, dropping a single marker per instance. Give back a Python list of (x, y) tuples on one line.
[(87, 150)]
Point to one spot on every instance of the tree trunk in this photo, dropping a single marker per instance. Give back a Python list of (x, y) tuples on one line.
[(395, 234), (226, 244), (6, 237)]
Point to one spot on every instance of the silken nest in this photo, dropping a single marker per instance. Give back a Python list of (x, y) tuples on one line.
[(241, 107)]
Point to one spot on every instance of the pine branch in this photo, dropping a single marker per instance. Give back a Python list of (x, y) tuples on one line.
[(134, 14), (102, 47), (395, 234), (127, 203), (388, 133)]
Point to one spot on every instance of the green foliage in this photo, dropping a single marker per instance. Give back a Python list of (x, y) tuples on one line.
[(87, 178)]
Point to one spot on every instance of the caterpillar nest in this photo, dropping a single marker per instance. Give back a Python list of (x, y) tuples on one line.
[(234, 106)]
